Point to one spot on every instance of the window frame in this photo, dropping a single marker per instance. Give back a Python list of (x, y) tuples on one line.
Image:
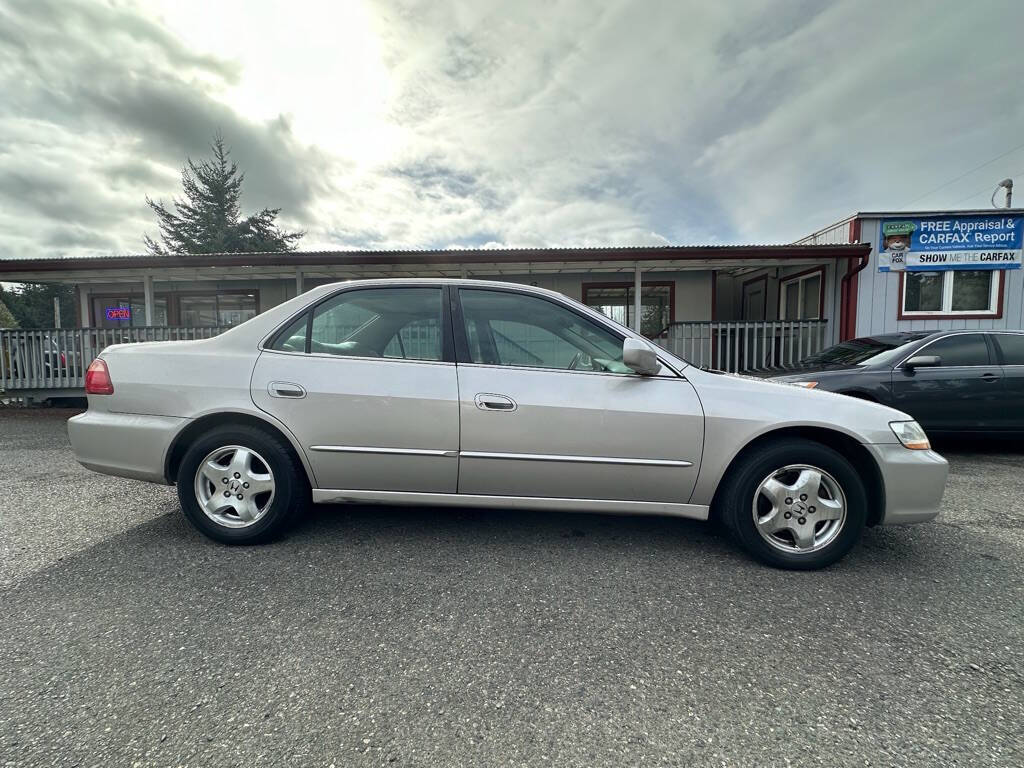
[(670, 284), (996, 296), (447, 340), (800, 278), (463, 356)]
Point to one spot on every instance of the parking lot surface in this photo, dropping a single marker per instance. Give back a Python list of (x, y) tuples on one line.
[(414, 636)]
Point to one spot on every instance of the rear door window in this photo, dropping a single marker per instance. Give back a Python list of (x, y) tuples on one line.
[(1012, 347)]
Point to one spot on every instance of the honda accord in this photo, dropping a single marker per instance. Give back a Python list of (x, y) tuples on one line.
[(486, 394)]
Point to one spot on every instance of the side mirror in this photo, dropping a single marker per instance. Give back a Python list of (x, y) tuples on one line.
[(922, 361), (639, 356)]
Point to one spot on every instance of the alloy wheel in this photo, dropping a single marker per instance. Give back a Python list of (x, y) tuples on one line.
[(234, 486), (799, 509)]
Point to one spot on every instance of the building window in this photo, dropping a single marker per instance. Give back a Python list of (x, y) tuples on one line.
[(127, 310), (226, 309), (952, 293), (616, 301), (801, 296)]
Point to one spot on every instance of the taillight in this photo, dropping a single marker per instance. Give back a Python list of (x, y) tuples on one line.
[(97, 379)]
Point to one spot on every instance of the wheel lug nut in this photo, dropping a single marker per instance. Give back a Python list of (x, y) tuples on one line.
[(238, 476), (239, 497), (246, 485), (227, 493), (223, 479), (802, 520), (788, 515), (811, 510), (789, 500), (803, 496)]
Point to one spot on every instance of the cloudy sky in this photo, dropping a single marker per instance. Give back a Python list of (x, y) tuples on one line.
[(446, 123)]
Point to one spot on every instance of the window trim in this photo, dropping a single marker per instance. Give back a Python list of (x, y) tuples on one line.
[(462, 343), (671, 284), (998, 290), (800, 277)]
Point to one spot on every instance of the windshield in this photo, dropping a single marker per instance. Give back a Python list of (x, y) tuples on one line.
[(869, 350)]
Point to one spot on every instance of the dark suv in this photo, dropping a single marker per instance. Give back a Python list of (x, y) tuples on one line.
[(949, 381)]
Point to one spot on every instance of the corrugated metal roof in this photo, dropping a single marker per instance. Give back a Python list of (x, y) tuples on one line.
[(435, 256)]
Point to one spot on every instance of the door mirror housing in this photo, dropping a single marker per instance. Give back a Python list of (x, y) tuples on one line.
[(638, 356), (922, 361)]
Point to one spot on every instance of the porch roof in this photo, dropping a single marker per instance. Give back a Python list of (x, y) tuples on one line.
[(428, 263)]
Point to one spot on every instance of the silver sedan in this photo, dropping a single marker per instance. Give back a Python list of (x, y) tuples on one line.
[(484, 394)]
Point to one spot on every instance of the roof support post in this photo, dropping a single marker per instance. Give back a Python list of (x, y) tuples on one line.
[(83, 305), (637, 286), (147, 292), (299, 279)]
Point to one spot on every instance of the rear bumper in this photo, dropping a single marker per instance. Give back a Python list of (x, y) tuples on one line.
[(123, 444), (914, 482)]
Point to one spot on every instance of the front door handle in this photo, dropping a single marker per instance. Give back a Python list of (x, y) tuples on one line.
[(989, 377), (286, 389), (487, 401)]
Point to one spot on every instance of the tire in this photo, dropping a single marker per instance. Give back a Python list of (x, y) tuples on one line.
[(248, 508), (806, 540)]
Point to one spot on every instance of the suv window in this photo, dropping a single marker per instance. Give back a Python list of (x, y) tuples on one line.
[(962, 349), (506, 328), (1012, 347), (373, 322)]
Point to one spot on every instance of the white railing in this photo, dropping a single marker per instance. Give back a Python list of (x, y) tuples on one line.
[(743, 346), (56, 358)]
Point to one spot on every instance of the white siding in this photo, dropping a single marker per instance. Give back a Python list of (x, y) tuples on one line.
[(878, 298)]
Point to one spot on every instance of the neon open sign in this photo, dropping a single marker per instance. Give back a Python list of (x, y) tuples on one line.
[(119, 313)]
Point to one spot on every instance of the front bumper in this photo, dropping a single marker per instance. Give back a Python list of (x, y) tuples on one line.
[(123, 444), (914, 482)]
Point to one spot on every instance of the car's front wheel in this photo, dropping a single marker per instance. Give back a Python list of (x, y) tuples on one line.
[(241, 485), (794, 503)]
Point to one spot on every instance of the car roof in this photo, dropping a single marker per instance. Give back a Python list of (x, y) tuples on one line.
[(895, 338), (960, 331)]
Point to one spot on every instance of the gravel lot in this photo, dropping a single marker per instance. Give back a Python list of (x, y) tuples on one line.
[(379, 636)]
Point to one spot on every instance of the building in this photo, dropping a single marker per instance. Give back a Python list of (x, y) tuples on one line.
[(931, 270), (734, 307)]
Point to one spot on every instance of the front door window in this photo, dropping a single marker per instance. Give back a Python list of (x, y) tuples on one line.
[(512, 329)]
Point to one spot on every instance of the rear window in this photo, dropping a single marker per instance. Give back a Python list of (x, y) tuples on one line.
[(1012, 347)]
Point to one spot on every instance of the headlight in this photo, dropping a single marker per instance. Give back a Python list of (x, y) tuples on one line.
[(910, 434), (804, 384)]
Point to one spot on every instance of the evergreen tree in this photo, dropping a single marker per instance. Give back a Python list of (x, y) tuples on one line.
[(209, 220), (6, 318), (31, 304)]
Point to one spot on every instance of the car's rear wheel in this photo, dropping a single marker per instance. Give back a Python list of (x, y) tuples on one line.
[(794, 503), (241, 485)]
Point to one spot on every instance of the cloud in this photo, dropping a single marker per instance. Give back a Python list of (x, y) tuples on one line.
[(479, 122)]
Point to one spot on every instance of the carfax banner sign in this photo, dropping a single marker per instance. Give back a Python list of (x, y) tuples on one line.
[(939, 243)]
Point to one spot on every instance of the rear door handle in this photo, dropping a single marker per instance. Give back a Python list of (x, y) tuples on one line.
[(286, 389), (487, 401), (989, 377)]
